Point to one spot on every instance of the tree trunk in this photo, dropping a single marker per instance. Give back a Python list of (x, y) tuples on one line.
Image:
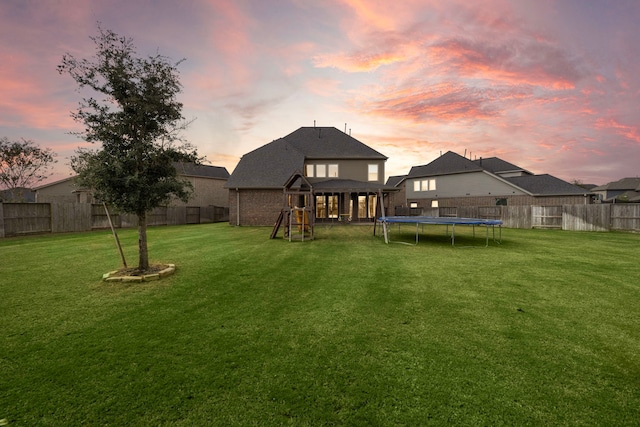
[(143, 253)]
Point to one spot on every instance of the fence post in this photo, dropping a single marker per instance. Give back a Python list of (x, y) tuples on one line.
[(1, 221)]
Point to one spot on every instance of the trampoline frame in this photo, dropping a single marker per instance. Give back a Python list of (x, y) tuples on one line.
[(448, 221)]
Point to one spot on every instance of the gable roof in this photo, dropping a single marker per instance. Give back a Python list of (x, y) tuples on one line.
[(448, 163), (271, 165), (205, 171), (50, 184), (498, 166), (545, 185), (621, 184)]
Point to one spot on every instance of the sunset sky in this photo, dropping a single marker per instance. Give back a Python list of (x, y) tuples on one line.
[(550, 85)]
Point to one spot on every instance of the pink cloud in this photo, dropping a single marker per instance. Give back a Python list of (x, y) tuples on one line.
[(443, 102), (519, 62), (629, 132)]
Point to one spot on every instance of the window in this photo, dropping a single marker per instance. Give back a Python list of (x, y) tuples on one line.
[(309, 170), (434, 203), (373, 173), (333, 206), (413, 205), (333, 171), (372, 206), (362, 206), (424, 185), (501, 202), (321, 208), (321, 171)]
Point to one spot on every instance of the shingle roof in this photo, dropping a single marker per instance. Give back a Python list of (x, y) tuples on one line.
[(621, 184), (498, 166), (330, 143), (448, 163), (207, 171), (392, 181), (545, 185), (271, 165), (344, 185)]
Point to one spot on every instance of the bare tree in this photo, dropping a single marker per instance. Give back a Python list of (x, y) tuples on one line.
[(23, 164)]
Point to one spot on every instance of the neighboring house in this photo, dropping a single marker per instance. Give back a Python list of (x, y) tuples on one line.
[(452, 180), (623, 190), (18, 195), (63, 191), (345, 176), (208, 187)]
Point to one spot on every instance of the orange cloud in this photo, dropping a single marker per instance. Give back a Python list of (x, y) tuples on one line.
[(358, 62)]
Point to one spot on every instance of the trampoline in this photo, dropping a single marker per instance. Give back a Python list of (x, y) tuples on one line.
[(448, 221)]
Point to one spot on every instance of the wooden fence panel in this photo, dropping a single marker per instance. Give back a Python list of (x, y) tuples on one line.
[(176, 215), (516, 216), (625, 216), (70, 217), (99, 217), (26, 218), (586, 217), (193, 215), (489, 212), (546, 217), (448, 212), (157, 216), (467, 212)]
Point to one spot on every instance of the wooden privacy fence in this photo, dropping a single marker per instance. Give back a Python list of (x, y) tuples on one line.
[(36, 218), (600, 217), (18, 219)]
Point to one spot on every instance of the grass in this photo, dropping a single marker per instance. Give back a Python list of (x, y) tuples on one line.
[(344, 330)]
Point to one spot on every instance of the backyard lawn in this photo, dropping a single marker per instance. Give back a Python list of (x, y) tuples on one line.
[(543, 329)]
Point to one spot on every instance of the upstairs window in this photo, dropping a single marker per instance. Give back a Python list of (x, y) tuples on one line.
[(321, 171), (424, 184), (373, 172)]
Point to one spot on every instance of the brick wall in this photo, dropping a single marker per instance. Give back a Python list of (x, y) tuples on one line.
[(257, 207)]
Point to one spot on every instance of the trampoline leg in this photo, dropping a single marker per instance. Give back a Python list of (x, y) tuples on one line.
[(453, 234)]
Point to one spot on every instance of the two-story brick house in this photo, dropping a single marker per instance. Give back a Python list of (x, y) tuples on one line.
[(346, 176)]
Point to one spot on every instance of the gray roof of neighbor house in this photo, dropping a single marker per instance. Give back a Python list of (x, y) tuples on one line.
[(448, 163), (392, 181), (540, 185), (498, 166), (271, 165), (206, 171), (621, 184), (546, 185)]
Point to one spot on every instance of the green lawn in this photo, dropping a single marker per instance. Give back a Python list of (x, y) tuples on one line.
[(543, 329)]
